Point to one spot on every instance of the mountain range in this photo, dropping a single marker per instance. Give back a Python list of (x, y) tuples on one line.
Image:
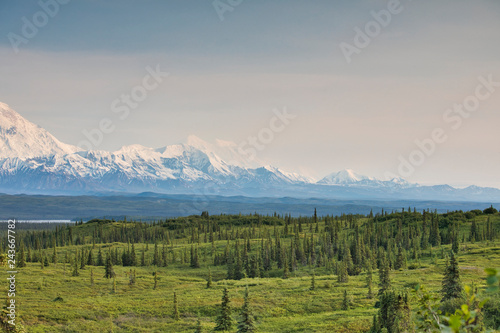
[(33, 161)]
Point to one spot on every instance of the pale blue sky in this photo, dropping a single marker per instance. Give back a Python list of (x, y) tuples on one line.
[(227, 76)]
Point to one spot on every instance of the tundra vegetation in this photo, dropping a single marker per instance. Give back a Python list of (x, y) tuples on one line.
[(399, 271)]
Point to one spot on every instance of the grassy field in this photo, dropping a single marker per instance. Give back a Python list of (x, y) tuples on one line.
[(50, 299)]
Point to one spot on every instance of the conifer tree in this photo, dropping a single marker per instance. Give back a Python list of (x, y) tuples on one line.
[(82, 260), (155, 278), (313, 282), (246, 323), (384, 277), (345, 301), (369, 278), (343, 277), (143, 257), (100, 261), (286, 272), (452, 287), (54, 255), (224, 321), (114, 285), (209, 279), (90, 259), (109, 272), (75, 267), (21, 259)]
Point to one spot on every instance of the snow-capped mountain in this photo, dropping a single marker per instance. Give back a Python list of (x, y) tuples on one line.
[(344, 177), (349, 177), (33, 161), (23, 139)]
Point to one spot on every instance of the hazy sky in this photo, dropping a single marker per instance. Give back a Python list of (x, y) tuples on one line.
[(227, 76)]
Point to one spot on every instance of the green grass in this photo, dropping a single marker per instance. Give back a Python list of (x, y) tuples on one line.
[(279, 305)]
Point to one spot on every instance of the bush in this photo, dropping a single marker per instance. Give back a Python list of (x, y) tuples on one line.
[(491, 312), (449, 306), (490, 210)]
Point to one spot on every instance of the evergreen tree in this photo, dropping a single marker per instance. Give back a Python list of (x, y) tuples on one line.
[(209, 280), (343, 277), (452, 287), (75, 266), (384, 277), (369, 284), (455, 246), (224, 321), (155, 278), (133, 256), (246, 323), (54, 255), (109, 272), (90, 259), (100, 261), (345, 301), (114, 285), (82, 260), (313, 282), (21, 259), (286, 272), (194, 258), (143, 257), (399, 259)]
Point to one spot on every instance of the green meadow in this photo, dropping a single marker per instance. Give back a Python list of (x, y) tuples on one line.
[(57, 293)]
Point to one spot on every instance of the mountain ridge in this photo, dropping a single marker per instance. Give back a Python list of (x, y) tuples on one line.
[(33, 161)]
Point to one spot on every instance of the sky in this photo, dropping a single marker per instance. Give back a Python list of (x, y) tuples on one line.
[(362, 81)]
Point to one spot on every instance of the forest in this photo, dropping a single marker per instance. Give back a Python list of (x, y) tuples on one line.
[(388, 271)]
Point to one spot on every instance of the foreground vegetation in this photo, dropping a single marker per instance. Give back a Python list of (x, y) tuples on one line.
[(307, 274)]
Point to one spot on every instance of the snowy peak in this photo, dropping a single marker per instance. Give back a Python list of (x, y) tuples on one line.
[(344, 177), (23, 139), (224, 150)]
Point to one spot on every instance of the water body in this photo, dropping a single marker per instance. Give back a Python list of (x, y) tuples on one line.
[(40, 221)]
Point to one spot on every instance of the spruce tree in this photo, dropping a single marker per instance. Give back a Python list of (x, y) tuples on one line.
[(209, 279), (286, 272), (54, 255), (452, 287), (224, 321), (345, 301), (143, 257), (90, 259), (75, 266), (384, 277), (21, 259), (246, 323), (369, 284), (109, 272), (114, 285), (343, 277), (100, 261), (155, 278), (313, 282)]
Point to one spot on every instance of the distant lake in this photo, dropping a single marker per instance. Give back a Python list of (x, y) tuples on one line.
[(40, 221)]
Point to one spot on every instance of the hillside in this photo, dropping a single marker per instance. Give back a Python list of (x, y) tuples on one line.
[(276, 256)]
